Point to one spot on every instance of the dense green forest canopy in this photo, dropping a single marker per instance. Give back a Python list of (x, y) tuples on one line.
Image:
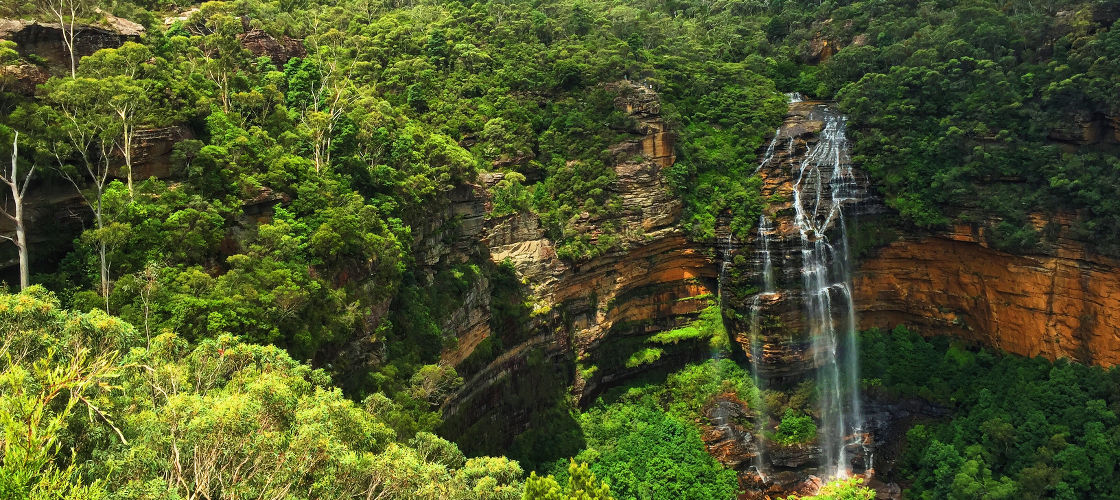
[(1020, 428)]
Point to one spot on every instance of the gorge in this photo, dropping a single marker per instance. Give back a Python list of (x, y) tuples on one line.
[(560, 249)]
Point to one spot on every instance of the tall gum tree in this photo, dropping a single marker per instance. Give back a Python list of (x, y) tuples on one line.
[(86, 129)]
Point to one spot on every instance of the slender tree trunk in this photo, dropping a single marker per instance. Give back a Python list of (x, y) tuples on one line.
[(102, 247), (17, 215), (67, 34), (21, 244), (103, 252), (104, 275), (128, 133), (70, 49)]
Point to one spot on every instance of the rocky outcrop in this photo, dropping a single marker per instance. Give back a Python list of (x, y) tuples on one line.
[(727, 432), (262, 44), (1083, 128), (655, 140), (22, 78), (1064, 303), (45, 39), (827, 41), (655, 279), (151, 150)]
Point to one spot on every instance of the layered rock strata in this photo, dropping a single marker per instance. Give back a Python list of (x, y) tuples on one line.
[(654, 280), (1064, 303)]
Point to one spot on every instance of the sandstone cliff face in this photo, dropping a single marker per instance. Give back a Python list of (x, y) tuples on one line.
[(644, 279), (638, 289), (1064, 303)]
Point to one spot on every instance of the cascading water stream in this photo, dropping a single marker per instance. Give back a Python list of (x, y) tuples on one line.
[(824, 183), (723, 266), (764, 230), (769, 155)]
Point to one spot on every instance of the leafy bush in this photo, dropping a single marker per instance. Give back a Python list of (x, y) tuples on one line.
[(795, 428)]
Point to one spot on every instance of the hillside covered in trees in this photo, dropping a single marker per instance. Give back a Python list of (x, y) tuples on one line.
[(230, 221)]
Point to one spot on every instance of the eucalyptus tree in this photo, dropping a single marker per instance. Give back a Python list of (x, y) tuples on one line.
[(67, 12), (84, 128), (335, 65), (18, 182), (130, 80)]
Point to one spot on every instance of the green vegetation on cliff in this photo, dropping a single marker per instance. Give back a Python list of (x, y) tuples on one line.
[(1020, 427), (644, 440), (972, 110)]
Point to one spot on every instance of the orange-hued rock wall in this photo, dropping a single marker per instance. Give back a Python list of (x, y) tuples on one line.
[(1063, 303)]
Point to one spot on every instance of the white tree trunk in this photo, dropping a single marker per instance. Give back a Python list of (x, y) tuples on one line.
[(18, 191), (21, 244)]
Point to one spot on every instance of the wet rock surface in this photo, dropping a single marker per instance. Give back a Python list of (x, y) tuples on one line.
[(728, 434)]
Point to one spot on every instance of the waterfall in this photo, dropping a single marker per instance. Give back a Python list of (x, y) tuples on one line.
[(723, 266), (764, 230), (824, 182), (769, 155)]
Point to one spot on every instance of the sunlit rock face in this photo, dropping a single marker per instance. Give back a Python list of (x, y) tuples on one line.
[(1062, 302)]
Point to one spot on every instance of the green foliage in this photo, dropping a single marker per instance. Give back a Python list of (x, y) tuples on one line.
[(56, 372), (1020, 426), (90, 407), (795, 428), (709, 325), (510, 195), (958, 113), (841, 489), (736, 111), (582, 485), (308, 203), (644, 357), (643, 452), (643, 441)]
